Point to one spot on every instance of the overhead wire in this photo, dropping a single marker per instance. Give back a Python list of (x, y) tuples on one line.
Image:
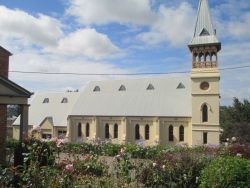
[(121, 74)]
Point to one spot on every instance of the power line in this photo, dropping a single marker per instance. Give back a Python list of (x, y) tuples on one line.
[(120, 74)]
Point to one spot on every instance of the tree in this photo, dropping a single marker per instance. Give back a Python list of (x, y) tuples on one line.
[(235, 121)]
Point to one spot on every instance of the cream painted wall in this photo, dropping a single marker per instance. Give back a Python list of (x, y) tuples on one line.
[(211, 98), (126, 129)]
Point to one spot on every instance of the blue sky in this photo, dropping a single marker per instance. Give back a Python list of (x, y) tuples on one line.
[(117, 36)]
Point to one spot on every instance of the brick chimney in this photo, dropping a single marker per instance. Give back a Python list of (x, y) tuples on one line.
[(4, 72), (4, 62)]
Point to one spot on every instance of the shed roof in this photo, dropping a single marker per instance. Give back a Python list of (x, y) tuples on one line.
[(163, 99)]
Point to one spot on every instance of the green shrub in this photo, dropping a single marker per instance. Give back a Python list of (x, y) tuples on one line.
[(226, 172)]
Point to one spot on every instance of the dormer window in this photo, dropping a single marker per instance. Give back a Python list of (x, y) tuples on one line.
[(180, 86), (64, 100), (204, 32), (46, 100), (122, 88), (150, 87), (96, 89)]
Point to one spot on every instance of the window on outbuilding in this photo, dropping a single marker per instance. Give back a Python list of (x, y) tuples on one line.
[(64, 100), (107, 131), (115, 131), (87, 130), (147, 132), (137, 132), (181, 133), (204, 113), (96, 89), (150, 87), (171, 133), (46, 100), (122, 88), (79, 130)]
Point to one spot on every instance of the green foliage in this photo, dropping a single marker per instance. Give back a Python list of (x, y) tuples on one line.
[(226, 172), (235, 121)]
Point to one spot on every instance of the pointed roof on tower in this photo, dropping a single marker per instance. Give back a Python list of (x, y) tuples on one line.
[(204, 32)]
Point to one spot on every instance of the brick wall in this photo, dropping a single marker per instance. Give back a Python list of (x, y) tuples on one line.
[(3, 131), (4, 71)]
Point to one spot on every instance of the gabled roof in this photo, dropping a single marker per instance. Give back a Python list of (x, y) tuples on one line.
[(204, 32), (164, 101), (5, 51), (54, 109), (11, 89)]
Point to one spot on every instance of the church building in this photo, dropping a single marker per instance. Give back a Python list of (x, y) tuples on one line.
[(164, 110)]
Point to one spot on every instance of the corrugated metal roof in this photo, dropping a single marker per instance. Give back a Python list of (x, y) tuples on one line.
[(204, 31), (55, 109), (163, 100)]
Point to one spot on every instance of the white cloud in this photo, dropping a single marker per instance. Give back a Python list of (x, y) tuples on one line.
[(32, 60), (110, 11), (174, 25), (43, 30), (86, 42)]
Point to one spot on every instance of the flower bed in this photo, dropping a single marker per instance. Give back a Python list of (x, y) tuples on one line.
[(102, 164)]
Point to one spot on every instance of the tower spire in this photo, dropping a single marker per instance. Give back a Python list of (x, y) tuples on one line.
[(204, 32), (204, 44)]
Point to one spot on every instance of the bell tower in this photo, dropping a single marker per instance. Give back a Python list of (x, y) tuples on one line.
[(205, 78)]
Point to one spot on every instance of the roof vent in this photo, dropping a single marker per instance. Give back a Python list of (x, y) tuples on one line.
[(97, 88), (46, 100), (150, 87), (64, 100), (180, 86), (122, 88)]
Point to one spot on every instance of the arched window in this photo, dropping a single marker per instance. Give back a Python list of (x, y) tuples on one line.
[(79, 130), (137, 132), (195, 57), (115, 131), (204, 113), (181, 133), (201, 57), (207, 57), (107, 131), (87, 130), (171, 133), (147, 132), (213, 57)]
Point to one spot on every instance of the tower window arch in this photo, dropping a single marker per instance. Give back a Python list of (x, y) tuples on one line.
[(204, 110), (171, 133), (107, 131), (201, 57), (147, 132), (181, 133), (79, 130), (213, 57), (137, 132), (115, 131), (87, 130)]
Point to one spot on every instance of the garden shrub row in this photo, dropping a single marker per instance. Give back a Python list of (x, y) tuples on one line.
[(128, 166)]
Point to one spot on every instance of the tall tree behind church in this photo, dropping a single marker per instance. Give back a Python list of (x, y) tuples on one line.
[(235, 121)]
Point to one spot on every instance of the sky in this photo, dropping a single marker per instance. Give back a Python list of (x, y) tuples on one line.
[(120, 37)]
